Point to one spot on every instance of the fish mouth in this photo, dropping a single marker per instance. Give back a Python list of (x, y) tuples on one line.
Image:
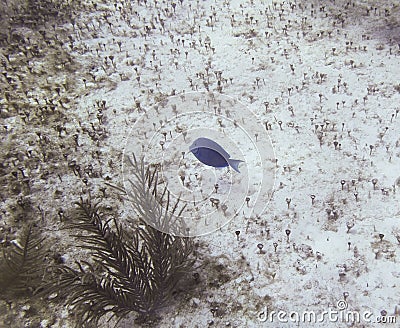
[(192, 147)]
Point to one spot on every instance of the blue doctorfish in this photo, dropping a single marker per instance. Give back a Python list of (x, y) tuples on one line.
[(212, 154)]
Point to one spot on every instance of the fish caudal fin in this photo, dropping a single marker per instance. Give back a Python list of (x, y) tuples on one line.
[(234, 163)]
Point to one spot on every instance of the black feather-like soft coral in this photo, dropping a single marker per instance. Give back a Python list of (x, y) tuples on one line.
[(126, 272)]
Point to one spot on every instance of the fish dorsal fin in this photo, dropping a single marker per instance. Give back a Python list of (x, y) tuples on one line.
[(208, 143)]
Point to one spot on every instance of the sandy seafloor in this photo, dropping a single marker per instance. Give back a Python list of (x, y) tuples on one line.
[(323, 76)]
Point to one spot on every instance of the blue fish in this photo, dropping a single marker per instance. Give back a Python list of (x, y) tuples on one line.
[(210, 153)]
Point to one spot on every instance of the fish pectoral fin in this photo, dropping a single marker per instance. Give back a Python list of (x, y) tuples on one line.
[(234, 163)]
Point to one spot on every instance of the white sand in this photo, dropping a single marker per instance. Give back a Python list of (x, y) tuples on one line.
[(304, 276), (359, 87)]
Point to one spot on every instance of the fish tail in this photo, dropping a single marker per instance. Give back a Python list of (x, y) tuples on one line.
[(234, 163)]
